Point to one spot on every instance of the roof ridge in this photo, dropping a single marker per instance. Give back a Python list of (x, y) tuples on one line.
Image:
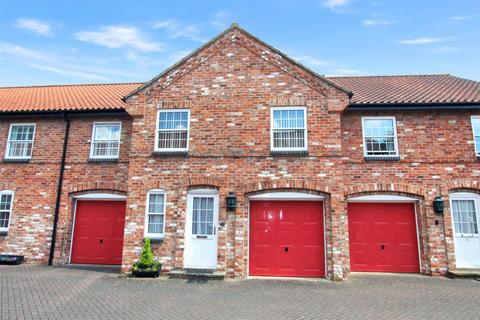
[(74, 85), (393, 75)]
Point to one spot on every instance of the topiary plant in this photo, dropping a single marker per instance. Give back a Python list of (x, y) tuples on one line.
[(146, 262)]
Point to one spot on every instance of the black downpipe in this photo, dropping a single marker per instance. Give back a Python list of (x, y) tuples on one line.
[(59, 190)]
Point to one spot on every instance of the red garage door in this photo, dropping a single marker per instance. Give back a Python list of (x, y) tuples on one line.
[(98, 233), (286, 239), (383, 237)]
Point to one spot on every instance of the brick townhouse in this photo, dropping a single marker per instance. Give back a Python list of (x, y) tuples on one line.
[(239, 160)]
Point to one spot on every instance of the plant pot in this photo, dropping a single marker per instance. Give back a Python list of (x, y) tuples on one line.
[(139, 273), (11, 259)]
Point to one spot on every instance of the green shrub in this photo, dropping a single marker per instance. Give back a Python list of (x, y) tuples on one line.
[(146, 261)]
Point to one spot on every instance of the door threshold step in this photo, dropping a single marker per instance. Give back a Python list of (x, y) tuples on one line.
[(464, 273), (200, 274)]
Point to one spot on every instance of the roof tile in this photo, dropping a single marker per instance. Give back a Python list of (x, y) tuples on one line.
[(405, 89), (65, 97)]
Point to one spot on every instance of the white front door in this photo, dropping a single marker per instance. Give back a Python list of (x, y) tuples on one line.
[(201, 236), (466, 220)]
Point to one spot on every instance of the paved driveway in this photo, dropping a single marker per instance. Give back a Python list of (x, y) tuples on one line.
[(33, 292)]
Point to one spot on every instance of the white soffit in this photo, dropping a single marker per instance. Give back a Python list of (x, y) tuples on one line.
[(101, 196), (381, 198), (286, 196)]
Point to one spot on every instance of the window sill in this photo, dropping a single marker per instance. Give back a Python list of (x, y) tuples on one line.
[(155, 239), (95, 160), (16, 160), (289, 152), (382, 158), (170, 153)]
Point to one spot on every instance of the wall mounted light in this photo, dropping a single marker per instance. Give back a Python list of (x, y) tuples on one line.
[(231, 201), (438, 205)]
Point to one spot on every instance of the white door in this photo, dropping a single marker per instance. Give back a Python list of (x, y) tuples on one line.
[(466, 220), (201, 230)]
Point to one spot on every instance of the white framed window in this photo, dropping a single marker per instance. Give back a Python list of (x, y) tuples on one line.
[(20, 141), (172, 131), (6, 204), (380, 137), (288, 129), (105, 140), (465, 213), (155, 214), (476, 133)]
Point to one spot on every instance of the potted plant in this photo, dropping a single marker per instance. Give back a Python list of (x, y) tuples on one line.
[(146, 266)]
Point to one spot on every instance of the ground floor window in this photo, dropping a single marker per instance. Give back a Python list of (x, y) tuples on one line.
[(155, 214), (6, 203)]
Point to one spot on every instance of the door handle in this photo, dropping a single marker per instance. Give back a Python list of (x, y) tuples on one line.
[(286, 249), (101, 241), (382, 247)]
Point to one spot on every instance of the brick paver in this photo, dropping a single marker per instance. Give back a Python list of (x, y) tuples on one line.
[(35, 292)]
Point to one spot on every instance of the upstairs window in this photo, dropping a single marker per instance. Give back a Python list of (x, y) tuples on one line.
[(288, 129), (105, 140), (155, 214), (172, 130), (20, 141), (380, 137), (6, 202), (476, 133)]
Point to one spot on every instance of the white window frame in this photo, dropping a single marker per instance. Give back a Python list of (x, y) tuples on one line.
[(476, 202), (475, 134), (157, 130), (8, 192), (395, 137), (147, 213), (7, 149), (92, 142), (304, 109)]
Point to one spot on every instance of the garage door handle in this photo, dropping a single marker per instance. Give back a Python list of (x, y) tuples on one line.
[(101, 241), (382, 247), (286, 249)]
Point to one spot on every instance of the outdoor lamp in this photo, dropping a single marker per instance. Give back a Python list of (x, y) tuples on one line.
[(438, 205), (231, 201)]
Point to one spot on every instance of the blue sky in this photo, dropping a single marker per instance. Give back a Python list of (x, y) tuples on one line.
[(61, 42)]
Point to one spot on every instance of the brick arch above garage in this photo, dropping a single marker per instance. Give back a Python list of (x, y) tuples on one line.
[(385, 188), (301, 185), (97, 186)]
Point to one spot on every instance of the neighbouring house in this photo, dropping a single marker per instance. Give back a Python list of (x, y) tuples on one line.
[(240, 160)]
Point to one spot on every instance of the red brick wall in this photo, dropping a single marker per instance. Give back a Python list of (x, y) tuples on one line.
[(229, 88), (35, 183), (34, 186), (229, 96), (436, 149)]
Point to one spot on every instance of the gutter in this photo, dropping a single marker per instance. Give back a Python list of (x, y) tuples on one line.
[(59, 190), (412, 106), (71, 114)]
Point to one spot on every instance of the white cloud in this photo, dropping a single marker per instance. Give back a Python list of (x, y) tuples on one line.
[(461, 18), (176, 30), (39, 27), (312, 61), (120, 36), (69, 73), (376, 22), (221, 19), (22, 52), (334, 4), (420, 41)]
